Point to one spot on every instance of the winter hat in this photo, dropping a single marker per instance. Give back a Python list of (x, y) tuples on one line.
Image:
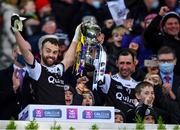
[(118, 111), (41, 3), (169, 15), (69, 88)]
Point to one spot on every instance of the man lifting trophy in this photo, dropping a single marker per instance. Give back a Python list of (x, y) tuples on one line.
[(90, 53)]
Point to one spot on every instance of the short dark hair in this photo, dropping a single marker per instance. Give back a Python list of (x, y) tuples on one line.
[(142, 85), (126, 52), (166, 50), (51, 40)]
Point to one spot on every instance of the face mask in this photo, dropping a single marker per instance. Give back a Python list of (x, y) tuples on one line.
[(96, 4), (166, 68), (20, 59), (155, 4)]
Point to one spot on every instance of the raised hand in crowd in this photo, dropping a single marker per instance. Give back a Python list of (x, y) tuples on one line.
[(149, 100), (81, 85), (163, 10), (167, 89)]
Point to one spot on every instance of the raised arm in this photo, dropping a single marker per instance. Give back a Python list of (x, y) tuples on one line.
[(151, 33), (70, 55), (16, 25)]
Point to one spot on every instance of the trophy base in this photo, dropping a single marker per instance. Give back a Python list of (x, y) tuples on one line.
[(89, 67)]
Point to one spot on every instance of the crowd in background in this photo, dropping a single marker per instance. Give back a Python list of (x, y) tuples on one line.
[(143, 58)]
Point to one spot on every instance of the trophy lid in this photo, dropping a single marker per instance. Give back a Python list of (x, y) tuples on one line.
[(90, 29)]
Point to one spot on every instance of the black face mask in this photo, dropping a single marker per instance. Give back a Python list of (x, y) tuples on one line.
[(20, 59)]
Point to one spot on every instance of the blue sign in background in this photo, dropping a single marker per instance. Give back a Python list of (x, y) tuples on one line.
[(47, 113), (101, 114)]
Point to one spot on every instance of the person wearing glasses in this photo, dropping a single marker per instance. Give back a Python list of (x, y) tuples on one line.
[(170, 82), (167, 61)]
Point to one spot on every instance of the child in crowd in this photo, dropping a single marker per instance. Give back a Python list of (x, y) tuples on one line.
[(119, 116), (144, 92), (69, 93), (88, 98)]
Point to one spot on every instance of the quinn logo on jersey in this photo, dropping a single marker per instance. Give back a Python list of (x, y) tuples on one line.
[(121, 97), (55, 81)]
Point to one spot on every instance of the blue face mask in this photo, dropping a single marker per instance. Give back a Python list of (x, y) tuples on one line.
[(20, 59), (96, 4), (166, 68)]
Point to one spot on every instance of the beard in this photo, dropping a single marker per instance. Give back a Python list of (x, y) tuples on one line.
[(47, 62)]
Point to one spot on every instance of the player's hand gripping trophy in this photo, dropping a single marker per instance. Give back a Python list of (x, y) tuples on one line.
[(90, 53)]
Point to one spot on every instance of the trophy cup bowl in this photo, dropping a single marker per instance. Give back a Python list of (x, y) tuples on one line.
[(90, 30)]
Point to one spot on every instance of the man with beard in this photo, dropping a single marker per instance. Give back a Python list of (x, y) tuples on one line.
[(48, 82)]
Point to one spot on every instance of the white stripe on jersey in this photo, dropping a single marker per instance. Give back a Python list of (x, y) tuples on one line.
[(126, 83), (35, 72)]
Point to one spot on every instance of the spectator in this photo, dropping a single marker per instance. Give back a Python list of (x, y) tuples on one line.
[(8, 7), (69, 94), (170, 83), (15, 90), (167, 61), (28, 10), (88, 98), (119, 116)]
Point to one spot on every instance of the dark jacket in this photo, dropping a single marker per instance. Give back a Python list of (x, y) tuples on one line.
[(12, 103), (166, 103)]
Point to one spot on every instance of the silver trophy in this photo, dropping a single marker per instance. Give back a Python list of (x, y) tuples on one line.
[(90, 31), (91, 55)]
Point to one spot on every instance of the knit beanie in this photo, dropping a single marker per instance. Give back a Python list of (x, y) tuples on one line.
[(169, 15)]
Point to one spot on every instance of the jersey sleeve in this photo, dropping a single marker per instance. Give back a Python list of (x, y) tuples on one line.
[(34, 70)]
